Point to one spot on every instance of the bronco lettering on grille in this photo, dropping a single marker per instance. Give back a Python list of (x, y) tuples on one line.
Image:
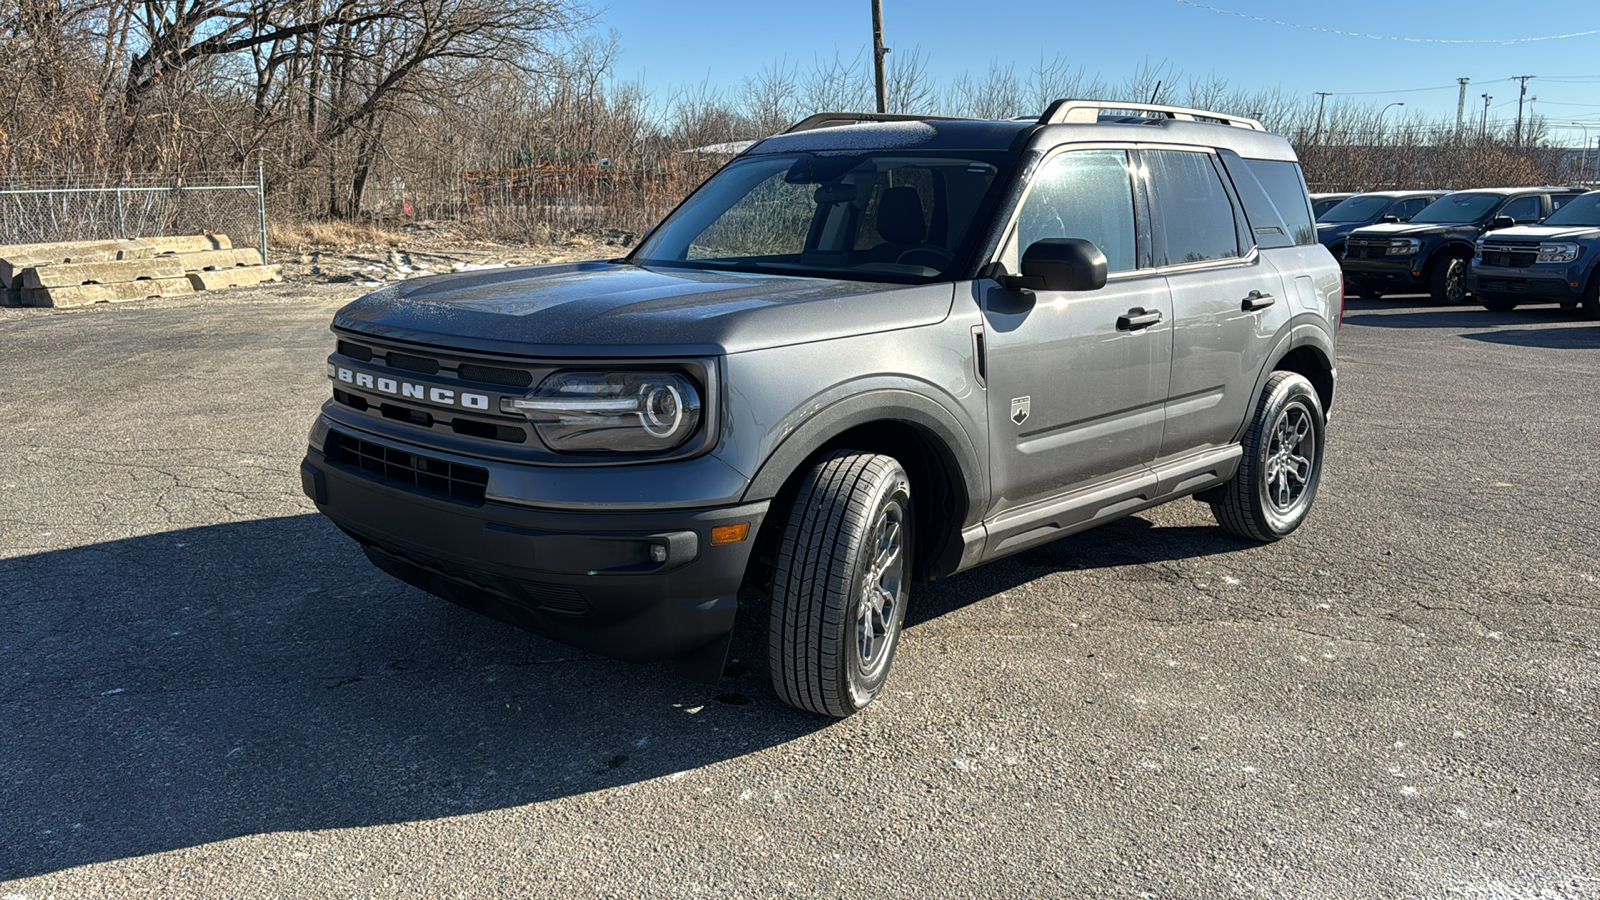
[(394, 388)]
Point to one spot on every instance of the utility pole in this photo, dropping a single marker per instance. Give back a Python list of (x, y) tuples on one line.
[(1322, 100), (1522, 95), (1461, 103), (1483, 132), (878, 53)]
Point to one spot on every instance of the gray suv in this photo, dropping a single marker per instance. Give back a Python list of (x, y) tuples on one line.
[(868, 352)]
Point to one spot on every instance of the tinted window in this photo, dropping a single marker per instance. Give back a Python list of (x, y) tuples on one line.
[(1083, 194), (1457, 209), (1287, 188), (1523, 209), (1405, 209), (1194, 218), (1559, 200), (1361, 208), (1583, 209)]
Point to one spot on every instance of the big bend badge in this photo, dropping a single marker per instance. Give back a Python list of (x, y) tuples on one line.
[(1019, 409)]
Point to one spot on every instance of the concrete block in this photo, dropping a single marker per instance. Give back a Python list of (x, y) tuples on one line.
[(219, 259), (74, 274), (119, 292), (239, 276), (16, 257), (11, 298), (191, 243)]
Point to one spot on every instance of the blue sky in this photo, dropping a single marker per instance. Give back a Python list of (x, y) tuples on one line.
[(682, 43)]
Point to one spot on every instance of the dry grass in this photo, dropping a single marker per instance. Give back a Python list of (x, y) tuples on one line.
[(304, 235)]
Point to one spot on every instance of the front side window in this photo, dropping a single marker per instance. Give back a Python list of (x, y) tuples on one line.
[(1523, 210), (1194, 217), (1405, 209), (1082, 194), (890, 216)]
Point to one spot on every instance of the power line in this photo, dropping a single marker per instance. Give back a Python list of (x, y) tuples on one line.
[(1385, 37)]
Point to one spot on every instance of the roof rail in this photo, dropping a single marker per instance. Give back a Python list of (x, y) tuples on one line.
[(830, 119), (1087, 112)]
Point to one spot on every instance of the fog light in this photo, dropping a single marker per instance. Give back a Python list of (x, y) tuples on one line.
[(730, 534), (658, 553)]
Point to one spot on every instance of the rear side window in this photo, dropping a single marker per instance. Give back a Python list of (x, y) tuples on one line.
[(1083, 194), (1194, 217), (1559, 200), (1287, 187)]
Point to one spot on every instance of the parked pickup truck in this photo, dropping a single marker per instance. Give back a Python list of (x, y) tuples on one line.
[(1433, 251), (1554, 262), (1335, 225)]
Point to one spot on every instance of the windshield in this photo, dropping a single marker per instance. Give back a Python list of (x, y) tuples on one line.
[(1584, 210), (1356, 209), (1457, 209), (882, 216)]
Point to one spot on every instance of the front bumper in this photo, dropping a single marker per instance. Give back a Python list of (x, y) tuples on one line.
[(587, 579), (1550, 283), (1400, 271)]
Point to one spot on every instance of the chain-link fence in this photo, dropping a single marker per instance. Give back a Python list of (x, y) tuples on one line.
[(86, 209)]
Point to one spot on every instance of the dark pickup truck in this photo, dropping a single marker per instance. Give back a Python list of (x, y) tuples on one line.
[(1556, 262), (1335, 225), (1433, 251)]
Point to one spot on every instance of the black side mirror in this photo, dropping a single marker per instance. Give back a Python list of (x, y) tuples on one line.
[(1501, 222), (1060, 264)]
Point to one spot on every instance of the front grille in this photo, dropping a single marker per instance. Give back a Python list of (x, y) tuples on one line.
[(1504, 285), (355, 351), (424, 474), (419, 364), (494, 375), (1365, 251), (1515, 256), (556, 598)]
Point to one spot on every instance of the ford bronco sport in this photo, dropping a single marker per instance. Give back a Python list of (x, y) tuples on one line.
[(870, 351)]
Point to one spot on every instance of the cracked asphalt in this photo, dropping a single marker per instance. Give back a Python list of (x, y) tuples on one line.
[(206, 691)]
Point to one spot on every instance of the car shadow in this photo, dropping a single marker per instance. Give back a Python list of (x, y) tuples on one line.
[(1421, 313), (1124, 542), (181, 688), (1580, 338)]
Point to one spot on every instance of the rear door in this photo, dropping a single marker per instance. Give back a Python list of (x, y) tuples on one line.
[(1227, 301)]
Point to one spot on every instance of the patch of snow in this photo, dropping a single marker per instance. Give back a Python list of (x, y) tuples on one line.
[(112, 691)]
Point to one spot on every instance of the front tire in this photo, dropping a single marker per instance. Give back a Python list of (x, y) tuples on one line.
[(1448, 283), (1498, 304), (840, 585), (1591, 298), (1277, 480)]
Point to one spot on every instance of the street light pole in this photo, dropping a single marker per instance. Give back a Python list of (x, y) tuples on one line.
[(1380, 118), (1583, 161), (878, 52)]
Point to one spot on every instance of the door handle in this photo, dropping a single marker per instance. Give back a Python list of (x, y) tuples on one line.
[(1136, 319), (1257, 300)]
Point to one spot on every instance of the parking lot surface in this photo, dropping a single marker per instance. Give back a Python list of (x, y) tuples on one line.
[(207, 691)]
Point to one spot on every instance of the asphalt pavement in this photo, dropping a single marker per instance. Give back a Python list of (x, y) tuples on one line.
[(206, 690)]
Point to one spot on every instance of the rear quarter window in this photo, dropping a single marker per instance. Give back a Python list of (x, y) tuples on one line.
[(1286, 186)]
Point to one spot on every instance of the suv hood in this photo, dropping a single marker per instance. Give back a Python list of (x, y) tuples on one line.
[(616, 309), (1408, 229), (1330, 233), (1547, 233)]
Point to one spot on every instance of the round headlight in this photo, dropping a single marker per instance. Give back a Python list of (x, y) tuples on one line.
[(611, 412)]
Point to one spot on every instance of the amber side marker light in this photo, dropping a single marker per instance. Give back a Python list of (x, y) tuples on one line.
[(730, 534)]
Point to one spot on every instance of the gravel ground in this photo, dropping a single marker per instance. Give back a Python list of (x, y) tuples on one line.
[(208, 692)]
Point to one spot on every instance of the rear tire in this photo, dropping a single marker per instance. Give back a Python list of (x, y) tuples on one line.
[(1365, 292), (1448, 283), (840, 585), (1498, 304), (1277, 480)]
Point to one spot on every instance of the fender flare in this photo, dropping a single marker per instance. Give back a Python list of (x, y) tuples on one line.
[(1296, 336), (949, 438)]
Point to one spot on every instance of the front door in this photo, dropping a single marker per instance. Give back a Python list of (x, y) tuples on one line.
[(1076, 381)]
